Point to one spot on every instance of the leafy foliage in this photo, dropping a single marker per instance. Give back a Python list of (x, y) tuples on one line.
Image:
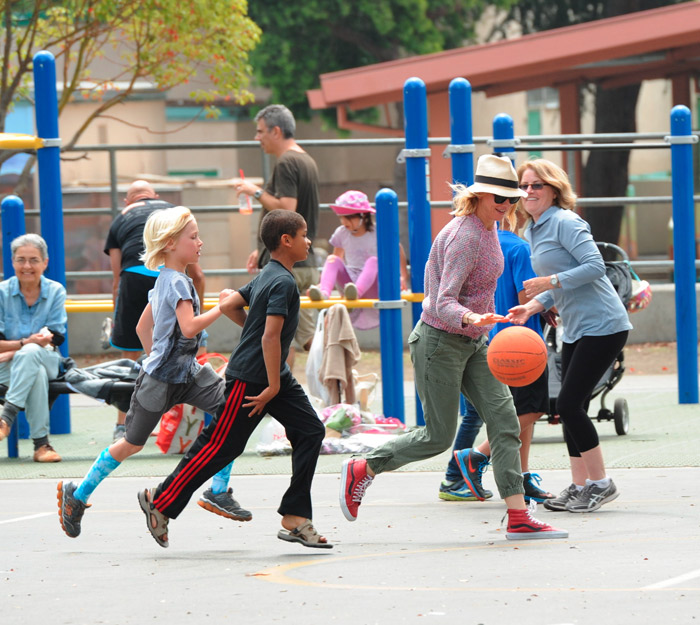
[(605, 172), (302, 40), (538, 15), (168, 42)]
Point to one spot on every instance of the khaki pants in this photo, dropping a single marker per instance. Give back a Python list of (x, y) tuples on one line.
[(446, 364), (305, 277)]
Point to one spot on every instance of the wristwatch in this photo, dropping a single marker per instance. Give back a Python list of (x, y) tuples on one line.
[(258, 194), (554, 281)]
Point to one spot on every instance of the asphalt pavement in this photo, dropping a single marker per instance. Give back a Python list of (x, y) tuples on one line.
[(409, 558)]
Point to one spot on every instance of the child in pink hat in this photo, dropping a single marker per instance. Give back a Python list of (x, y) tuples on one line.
[(352, 267)]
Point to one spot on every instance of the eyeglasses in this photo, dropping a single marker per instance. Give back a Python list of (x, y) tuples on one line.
[(499, 199), (32, 261), (537, 186)]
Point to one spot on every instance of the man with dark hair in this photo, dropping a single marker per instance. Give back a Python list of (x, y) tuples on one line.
[(294, 187)]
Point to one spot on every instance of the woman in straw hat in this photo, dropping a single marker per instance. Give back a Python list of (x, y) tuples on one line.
[(448, 351)]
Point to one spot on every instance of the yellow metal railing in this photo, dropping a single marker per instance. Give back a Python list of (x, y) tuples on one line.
[(105, 305)]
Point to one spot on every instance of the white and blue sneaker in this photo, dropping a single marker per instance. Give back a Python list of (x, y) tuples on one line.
[(458, 491)]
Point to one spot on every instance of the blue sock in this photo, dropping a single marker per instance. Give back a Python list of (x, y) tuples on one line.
[(219, 483), (100, 469)]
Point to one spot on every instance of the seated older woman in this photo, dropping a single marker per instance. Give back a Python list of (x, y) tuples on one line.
[(32, 323)]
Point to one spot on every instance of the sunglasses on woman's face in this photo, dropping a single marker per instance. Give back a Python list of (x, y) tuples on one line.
[(499, 199), (537, 186)]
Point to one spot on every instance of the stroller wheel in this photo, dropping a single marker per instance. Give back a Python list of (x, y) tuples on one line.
[(622, 417)]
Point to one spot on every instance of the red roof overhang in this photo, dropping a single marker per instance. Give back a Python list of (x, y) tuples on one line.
[(659, 43)]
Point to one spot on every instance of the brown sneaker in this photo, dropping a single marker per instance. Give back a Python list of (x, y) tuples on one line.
[(46, 453), (4, 429)]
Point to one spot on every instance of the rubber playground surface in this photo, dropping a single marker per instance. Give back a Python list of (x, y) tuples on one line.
[(409, 557)]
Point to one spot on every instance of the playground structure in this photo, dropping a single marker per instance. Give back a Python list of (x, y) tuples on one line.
[(47, 145), (461, 151)]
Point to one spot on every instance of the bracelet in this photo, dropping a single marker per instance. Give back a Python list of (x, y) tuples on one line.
[(21, 343)]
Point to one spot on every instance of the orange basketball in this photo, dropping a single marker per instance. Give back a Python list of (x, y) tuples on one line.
[(517, 356)]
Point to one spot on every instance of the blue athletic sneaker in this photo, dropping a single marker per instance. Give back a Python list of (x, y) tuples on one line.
[(458, 491), (473, 465), (532, 490)]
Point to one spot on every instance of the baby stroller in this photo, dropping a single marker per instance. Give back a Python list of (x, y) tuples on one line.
[(618, 271)]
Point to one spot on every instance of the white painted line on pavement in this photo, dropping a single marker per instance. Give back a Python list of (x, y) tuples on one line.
[(27, 518), (674, 580)]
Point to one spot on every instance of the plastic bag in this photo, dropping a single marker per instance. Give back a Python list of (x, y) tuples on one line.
[(313, 363), (273, 440), (182, 424), (341, 417), (178, 429)]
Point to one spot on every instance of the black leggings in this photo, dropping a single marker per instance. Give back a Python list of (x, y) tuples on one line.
[(583, 364)]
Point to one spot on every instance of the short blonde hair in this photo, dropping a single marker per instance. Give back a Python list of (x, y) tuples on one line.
[(466, 202), (555, 177), (162, 227)]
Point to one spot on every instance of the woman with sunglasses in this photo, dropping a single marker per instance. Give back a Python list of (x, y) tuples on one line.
[(571, 277), (448, 351)]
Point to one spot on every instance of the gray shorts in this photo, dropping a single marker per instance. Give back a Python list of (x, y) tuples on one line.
[(152, 398)]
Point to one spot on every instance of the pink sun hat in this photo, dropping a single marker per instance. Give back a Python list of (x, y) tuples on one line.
[(352, 203)]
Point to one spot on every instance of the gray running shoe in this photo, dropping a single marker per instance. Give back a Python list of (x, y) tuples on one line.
[(558, 504), (70, 509), (592, 497), (119, 432), (224, 505)]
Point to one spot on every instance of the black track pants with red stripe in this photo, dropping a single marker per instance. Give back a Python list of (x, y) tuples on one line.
[(225, 438)]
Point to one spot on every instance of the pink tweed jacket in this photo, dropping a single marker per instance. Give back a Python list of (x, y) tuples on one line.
[(463, 267)]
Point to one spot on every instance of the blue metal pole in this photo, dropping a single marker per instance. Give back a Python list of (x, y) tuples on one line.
[(460, 93), (390, 327), (13, 226), (684, 255), (51, 200), (503, 130), (419, 227), (462, 137)]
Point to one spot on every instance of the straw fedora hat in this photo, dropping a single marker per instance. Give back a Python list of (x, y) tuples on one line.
[(352, 203), (495, 174)]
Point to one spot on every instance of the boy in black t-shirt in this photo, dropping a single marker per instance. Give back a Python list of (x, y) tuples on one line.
[(258, 381)]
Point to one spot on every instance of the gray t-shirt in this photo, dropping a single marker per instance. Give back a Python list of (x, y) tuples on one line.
[(173, 356)]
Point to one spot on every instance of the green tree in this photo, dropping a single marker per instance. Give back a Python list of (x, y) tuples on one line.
[(302, 40), (168, 42), (606, 173)]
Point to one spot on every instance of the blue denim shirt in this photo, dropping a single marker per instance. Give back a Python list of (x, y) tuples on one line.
[(587, 302), (17, 320)]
